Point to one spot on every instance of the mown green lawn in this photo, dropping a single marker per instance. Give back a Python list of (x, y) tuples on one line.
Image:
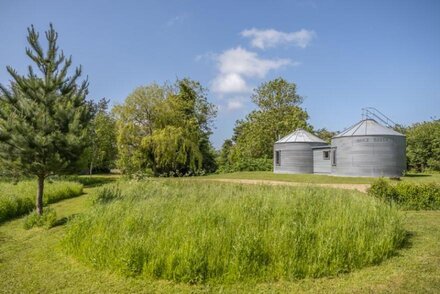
[(32, 261), (317, 179)]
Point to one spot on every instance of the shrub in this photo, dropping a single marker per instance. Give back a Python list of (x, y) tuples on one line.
[(418, 196), (383, 190), (193, 233), (46, 220), (19, 199)]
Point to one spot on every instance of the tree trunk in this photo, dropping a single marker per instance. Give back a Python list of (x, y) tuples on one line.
[(91, 168), (39, 201)]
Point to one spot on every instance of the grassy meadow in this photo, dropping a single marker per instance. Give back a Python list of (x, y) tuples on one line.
[(192, 233), (17, 199), (136, 234)]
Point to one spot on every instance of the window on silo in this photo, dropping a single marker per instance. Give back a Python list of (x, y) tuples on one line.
[(278, 157), (326, 155), (334, 157)]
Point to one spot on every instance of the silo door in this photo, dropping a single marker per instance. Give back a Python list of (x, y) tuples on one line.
[(278, 157), (333, 157)]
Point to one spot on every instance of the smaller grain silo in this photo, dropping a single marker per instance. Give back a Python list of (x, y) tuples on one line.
[(294, 154)]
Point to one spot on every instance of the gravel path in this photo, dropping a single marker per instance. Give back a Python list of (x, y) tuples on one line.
[(360, 187)]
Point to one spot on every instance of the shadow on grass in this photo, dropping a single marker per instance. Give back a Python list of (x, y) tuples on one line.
[(96, 182), (90, 181), (62, 221), (407, 240), (417, 175)]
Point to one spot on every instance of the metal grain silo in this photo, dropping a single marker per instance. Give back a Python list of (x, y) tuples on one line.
[(368, 149), (293, 153)]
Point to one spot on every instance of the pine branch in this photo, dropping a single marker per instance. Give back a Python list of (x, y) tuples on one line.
[(33, 41)]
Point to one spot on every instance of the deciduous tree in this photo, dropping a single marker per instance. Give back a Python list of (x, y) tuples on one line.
[(278, 113), (101, 152), (423, 146), (166, 128), (325, 134), (136, 118)]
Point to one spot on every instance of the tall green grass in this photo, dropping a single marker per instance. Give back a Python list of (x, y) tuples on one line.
[(19, 199), (196, 233)]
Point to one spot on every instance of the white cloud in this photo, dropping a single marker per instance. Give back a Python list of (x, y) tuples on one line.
[(235, 104), (236, 64), (263, 39), (229, 83), (247, 63)]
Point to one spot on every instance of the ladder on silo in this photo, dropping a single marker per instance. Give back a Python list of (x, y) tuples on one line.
[(373, 113)]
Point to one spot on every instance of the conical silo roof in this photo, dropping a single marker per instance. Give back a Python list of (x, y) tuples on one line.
[(300, 135), (368, 127)]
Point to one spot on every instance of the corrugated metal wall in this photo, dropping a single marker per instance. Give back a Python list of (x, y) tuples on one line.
[(296, 158), (370, 156)]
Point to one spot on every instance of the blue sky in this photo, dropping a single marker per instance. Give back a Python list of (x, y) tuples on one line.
[(343, 55)]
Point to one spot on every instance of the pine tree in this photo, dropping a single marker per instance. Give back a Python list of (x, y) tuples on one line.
[(43, 116)]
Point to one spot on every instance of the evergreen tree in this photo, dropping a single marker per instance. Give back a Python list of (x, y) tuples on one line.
[(43, 116)]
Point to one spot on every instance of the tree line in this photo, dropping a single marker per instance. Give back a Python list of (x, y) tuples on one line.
[(163, 130), (48, 125)]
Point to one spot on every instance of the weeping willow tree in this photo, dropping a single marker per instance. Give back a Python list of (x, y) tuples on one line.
[(166, 129), (43, 115), (174, 149)]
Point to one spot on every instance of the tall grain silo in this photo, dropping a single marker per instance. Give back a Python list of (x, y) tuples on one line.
[(368, 149), (293, 154)]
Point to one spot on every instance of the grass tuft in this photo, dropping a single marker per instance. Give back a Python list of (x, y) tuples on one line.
[(47, 220)]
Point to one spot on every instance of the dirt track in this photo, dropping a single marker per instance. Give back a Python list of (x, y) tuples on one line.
[(360, 187)]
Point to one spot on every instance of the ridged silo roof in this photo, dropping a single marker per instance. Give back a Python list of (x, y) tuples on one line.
[(298, 136), (368, 127)]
